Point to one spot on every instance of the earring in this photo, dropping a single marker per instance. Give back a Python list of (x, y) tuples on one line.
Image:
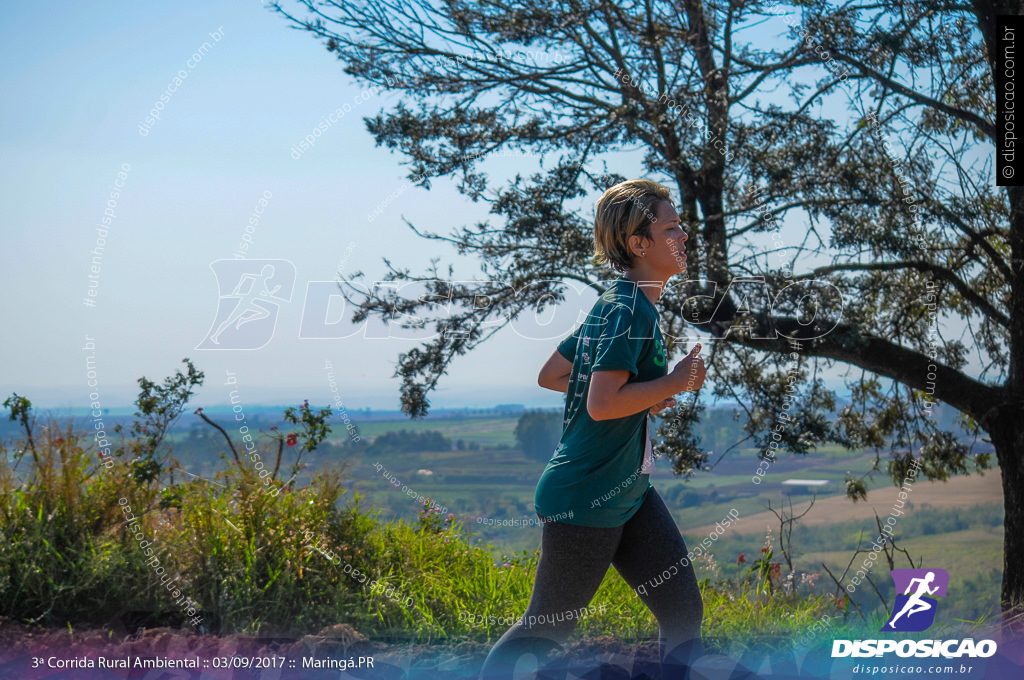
[(643, 253)]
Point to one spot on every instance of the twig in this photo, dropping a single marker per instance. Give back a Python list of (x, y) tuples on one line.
[(277, 463), (877, 591), (786, 528), (234, 453), (840, 587)]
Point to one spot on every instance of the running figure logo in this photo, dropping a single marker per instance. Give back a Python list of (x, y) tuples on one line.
[(246, 317), (914, 611)]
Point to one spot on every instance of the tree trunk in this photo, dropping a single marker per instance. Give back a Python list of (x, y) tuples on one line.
[(1008, 439)]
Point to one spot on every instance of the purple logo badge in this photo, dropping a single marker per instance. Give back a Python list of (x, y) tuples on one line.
[(914, 610)]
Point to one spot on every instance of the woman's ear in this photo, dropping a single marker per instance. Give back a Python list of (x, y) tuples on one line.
[(637, 245)]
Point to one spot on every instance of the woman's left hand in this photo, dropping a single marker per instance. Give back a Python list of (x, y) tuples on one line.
[(663, 404)]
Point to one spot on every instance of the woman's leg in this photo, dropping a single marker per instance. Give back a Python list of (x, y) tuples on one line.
[(652, 558), (573, 562)]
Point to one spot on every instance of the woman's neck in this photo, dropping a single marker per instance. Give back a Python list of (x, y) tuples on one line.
[(651, 287)]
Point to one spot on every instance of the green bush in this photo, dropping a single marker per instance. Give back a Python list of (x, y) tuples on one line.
[(537, 433)]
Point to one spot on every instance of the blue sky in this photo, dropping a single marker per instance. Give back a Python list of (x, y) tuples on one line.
[(77, 85)]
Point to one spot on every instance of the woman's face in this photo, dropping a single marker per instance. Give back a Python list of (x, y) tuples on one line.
[(666, 250)]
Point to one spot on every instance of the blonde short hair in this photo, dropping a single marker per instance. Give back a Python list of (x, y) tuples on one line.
[(625, 210)]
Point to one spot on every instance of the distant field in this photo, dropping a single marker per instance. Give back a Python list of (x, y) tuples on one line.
[(812, 466), (485, 431), (957, 492), (958, 552)]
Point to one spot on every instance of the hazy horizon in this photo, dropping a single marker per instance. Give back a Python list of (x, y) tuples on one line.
[(51, 398)]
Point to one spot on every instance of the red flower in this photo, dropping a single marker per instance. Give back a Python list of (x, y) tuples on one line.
[(198, 410), (764, 550), (59, 440), (293, 439), (742, 558), (841, 603), (776, 569), (273, 427)]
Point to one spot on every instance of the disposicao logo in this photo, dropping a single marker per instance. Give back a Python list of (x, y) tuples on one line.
[(913, 612), (247, 315)]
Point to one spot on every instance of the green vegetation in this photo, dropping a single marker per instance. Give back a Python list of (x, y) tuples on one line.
[(244, 555)]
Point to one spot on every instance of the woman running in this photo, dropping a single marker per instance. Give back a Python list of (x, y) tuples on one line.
[(613, 369)]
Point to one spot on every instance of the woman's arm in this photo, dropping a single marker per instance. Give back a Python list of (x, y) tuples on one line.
[(555, 373), (611, 397)]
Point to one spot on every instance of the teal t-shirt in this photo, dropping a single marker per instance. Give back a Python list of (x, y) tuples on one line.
[(595, 471)]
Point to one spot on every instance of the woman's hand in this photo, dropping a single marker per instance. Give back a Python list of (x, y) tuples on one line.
[(663, 404), (689, 373)]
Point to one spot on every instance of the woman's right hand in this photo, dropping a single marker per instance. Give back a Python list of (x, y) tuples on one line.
[(689, 372)]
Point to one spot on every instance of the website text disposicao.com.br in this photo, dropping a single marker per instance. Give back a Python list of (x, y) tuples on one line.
[(903, 671), (950, 655)]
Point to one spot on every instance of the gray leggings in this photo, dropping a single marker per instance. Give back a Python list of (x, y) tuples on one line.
[(573, 562)]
